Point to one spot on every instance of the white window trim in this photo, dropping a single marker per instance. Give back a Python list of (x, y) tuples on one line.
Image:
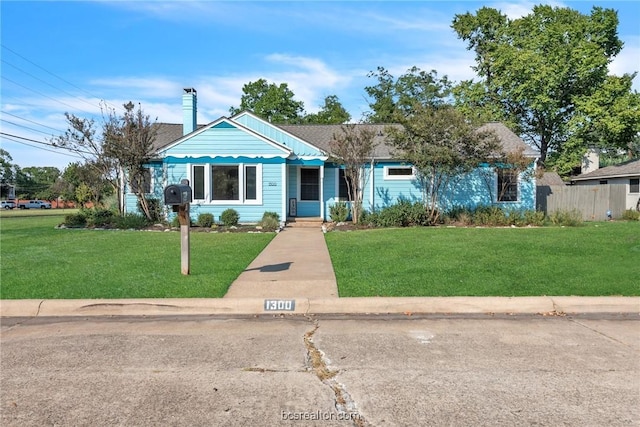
[(207, 191), (208, 185), (300, 184), (388, 177)]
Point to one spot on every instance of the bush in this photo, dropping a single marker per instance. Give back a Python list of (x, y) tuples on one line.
[(339, 212), (460, 214), (535, 218), (75, 220), (204, 220), (402, 214), (570, 218), (269, 223), (274, 215), (131, 221), (98, 217), (230, 217), (490, 216), (631, 215)]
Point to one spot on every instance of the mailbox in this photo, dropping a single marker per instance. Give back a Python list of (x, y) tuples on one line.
[(177, 194)]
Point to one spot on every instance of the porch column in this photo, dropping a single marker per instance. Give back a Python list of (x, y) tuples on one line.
[(322, 192), (285, 190)]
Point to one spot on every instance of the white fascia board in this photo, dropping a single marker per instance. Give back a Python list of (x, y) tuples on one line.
[(230, 155)]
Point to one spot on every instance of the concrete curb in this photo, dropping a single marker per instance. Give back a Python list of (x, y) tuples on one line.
[(377, 305)]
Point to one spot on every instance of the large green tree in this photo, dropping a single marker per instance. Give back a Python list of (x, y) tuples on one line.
[(397, 96), (331, 113), (534, 71), (271, 102)]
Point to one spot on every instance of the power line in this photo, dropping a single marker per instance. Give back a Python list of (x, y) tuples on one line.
[(12, 138), (31, 121), (45, 143), (26, 127), (49, 84), (53, 74), (42, 94)]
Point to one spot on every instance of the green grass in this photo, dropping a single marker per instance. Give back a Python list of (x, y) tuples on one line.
[(39, 261), (595, 259)]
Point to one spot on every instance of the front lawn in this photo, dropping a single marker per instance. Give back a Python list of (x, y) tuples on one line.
[(39, 261), (595, 259)]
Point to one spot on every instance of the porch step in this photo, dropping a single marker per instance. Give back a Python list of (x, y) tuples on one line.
[(307, 222)]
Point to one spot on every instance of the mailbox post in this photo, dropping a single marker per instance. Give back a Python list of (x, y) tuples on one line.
[(179, 197)]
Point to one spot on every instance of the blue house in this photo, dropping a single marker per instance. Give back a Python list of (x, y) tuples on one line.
[(253, 166)]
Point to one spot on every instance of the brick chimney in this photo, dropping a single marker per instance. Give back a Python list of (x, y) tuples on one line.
[(591, 161), (189, 110)]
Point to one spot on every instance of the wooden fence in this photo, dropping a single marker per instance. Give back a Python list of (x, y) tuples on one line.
[(592, 201)]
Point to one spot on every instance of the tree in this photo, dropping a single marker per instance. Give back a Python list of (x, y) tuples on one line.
[(8, 172), (353, 147), (391, 96), (534, 69), (81, 137), (331, 113), (271, 102), (36, 182), (128, 140), (118, 153), (441, 144)]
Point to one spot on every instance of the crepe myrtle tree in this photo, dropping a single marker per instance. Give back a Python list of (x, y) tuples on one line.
[(442, 145), (353, 147), (128, 139)]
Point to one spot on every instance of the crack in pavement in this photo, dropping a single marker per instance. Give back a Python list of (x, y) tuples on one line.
[(317, 361)]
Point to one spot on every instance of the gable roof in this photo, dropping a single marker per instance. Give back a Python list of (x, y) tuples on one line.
[(622, 170), (320, 136), (509, 140)]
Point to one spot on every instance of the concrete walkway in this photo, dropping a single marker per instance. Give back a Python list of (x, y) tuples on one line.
[(295, 263)]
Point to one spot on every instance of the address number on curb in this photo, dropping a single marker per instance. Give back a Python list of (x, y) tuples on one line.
[(279, 305)]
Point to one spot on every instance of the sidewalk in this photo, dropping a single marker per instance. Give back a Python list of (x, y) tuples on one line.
[(295, 263)]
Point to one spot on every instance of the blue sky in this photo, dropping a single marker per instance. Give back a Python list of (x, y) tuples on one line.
[(62, 57)]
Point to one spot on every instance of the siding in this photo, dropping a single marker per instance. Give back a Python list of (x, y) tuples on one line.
[(225, 140), (278, 135)]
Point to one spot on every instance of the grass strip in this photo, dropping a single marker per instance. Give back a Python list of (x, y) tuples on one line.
[(597, 259), (39, 261)]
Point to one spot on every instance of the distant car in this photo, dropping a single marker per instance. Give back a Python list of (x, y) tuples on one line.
[(8, 204), (35, 204)]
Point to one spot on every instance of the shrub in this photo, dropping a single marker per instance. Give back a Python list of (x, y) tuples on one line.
[(98, 217), (131, 221), (490, 216), (402, 214), (204, 220), (631, 215), (230, 217), (535, 218), (569, 218), (339, 212), (269, 223), (156, 210), (274, 215), (75, 220), (460, 214)]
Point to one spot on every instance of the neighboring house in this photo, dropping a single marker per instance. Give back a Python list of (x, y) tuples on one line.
[(253, 166), (627, 174)]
